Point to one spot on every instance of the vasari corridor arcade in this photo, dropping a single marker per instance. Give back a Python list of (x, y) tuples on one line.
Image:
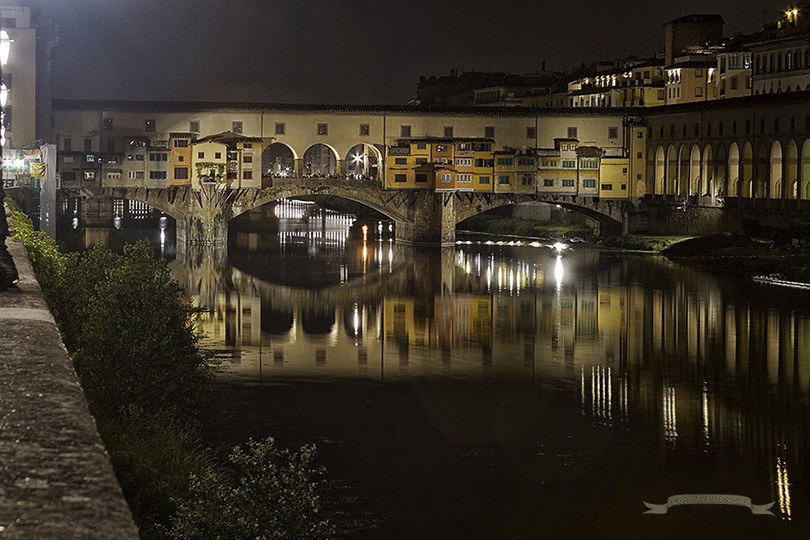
[(711, 163)]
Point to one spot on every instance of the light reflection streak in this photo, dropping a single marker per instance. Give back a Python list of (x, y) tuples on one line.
[(670, 418), (559, 271), (705, 407), (783, 487)]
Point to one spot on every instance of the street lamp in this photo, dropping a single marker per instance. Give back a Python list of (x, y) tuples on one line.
[(8, 271)]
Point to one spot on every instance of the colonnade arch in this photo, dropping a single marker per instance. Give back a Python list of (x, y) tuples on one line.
[(804, 166), (280, 159), (778, 169), (734, 170)]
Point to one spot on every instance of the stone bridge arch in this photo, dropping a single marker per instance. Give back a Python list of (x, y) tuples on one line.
[(421, 216)]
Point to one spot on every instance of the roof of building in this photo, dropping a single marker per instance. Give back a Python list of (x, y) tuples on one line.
[(698, 18)]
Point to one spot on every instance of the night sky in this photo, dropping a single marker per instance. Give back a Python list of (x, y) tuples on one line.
[(346, 51)]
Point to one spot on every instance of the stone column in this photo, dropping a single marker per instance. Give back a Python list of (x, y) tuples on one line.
[(299, 168), (206, 218), (431, 220), (341, 167)]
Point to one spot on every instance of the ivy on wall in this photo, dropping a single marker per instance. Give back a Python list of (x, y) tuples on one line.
[(208, 166)]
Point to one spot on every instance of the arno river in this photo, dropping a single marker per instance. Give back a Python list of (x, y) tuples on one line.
[(511, 391)]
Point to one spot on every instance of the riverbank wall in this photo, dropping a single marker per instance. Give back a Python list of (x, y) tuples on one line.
[(56, 480)]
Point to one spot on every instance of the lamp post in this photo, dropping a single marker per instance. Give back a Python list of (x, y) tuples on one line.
[(8, 271)]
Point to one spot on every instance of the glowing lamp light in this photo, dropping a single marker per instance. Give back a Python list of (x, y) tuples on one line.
[(3, 95)]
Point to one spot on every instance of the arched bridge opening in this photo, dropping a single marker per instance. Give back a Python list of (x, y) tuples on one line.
[(420, 216)]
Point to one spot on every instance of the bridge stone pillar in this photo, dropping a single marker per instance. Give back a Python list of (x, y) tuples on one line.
[(431, 219), (206, 223), (299, 168), (341, 167), (97, 211)]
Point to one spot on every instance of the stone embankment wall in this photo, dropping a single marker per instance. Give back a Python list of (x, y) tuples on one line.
[(56, 481)]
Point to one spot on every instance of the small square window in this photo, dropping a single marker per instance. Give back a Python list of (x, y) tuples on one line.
[(489, 132), (236, 127), (531, 132), (323, 129), (280, 128), (364, 130), (150, 125), (194, 126), (108, 124), (613, 133), (572, 133), (448, 131), (200, 155), (404, 131)]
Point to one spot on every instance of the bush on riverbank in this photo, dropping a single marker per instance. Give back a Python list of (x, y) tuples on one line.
[(497, 225), (741, 254), (134, 345), (636, 242)]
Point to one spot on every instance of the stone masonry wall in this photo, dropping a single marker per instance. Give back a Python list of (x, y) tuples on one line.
[(56, 481)]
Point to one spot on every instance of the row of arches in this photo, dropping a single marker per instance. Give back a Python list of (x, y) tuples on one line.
[(361, 160), (773, 170)]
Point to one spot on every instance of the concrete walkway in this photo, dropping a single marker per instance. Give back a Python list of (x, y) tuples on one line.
[(56, 481)]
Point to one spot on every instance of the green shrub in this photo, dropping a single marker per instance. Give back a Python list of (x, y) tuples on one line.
[(269, 495), (132, 334)]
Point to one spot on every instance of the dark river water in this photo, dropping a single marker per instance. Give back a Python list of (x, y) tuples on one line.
[(511, 391)]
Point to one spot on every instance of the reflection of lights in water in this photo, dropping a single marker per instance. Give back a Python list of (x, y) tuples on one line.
[(559, 271), (601, 397), (783, 487), (356, 321), (705, 405), (365, 233), (670, 419)]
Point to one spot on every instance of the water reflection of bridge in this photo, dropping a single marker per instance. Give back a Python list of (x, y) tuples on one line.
[(721, 367)]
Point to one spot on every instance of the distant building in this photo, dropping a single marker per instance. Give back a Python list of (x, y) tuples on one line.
[(781, 53), (733, 72)]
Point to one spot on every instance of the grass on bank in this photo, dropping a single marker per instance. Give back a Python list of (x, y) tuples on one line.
[(133, 342), (642, 242)]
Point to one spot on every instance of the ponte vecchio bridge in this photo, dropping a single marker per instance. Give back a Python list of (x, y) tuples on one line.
[(237, 157)]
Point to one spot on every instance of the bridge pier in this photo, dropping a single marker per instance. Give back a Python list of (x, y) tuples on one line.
[(430, 219), (208, 225)]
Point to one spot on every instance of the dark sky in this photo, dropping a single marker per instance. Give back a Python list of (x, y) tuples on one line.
[(346, 51)]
